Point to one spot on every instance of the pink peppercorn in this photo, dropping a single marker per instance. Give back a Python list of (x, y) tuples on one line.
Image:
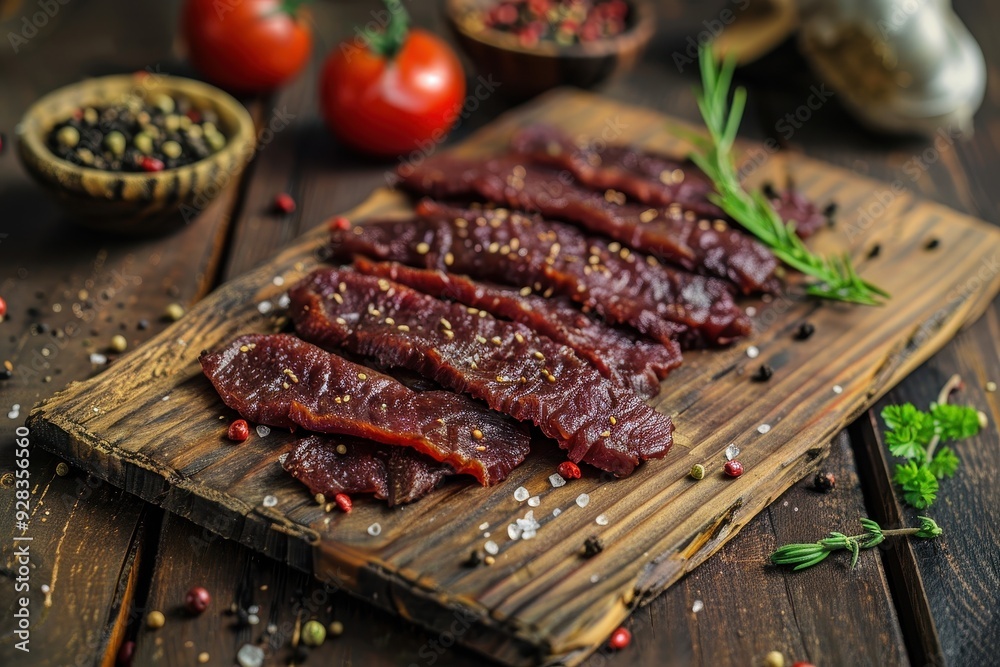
[(239, 430), (151, 164), (569, 470), (341, 223), (197, 600), (284, 203), (343, 502), (620, 638), (733, 468)]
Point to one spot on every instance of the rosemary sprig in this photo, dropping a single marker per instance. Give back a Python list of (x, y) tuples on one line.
[(802, 556), (837, 277)]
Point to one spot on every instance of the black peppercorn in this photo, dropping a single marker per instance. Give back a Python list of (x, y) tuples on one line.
[(830, 210), (769, 191), (874, 252), (763, 374), (804, 331), (592, 546), (933, 243), (824, 482), (474, 559)]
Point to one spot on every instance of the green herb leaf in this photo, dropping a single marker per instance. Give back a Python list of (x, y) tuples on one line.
[(928, 528), (954, 422), (944, 464), (920, 487)]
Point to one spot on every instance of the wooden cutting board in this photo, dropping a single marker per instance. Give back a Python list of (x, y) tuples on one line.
[(153, 425)]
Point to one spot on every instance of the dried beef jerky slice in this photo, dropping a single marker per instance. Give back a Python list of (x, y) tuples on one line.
[(396, 474), (630, 362), (708, 247), (555, 258), (507, 365), (280, 380)]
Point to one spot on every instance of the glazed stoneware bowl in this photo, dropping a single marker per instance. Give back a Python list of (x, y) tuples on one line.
[(525, 71), (127, 202)]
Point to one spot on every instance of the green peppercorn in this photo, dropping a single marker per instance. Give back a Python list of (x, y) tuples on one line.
[(184, 122), (143, 143), (194, 131), (172, 123), (215, 140), (143, 118), (155, 620), (115, 142), (171, 149), (336, 628), (68, 136), (62, 469), (174, 312), (85, 155), (313, 633), (697, 471), (774, 659), (164, 103), (118, 343), (90, 116)]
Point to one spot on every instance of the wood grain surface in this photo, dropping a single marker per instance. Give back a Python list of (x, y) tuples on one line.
[(153, 426)]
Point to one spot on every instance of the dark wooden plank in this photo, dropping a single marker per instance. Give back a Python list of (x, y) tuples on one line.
[(81, 289), (567, 604)]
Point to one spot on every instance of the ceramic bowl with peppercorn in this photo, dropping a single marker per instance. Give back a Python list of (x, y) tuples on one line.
[(530, 46), (136, 153)]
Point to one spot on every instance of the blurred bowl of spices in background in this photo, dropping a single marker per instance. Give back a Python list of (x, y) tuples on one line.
[(140, 154), (530, 46)]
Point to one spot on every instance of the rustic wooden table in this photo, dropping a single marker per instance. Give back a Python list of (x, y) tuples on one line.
[(102, 559)]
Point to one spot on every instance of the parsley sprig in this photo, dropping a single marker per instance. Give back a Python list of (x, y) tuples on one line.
[(915, 435), (837, 278), (801, 556)]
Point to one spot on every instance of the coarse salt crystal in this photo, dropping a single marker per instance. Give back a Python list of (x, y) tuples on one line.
[(514, 531), (486, 534), (284, 301), (837, 389), (556, 480), (264, 307), (753, 352), (527, 535), (282, 457), (484, 525), (250, 656), (534, 501), (751, 311), (375, 529), (763, 428), (278, 281), (556, 512), (96, 358), (697, 606), (732, 451), (521, 494), (270, 501), (582, 500), (594, 578), (166, 398), (601, 520), (263, 431), (491, 548)]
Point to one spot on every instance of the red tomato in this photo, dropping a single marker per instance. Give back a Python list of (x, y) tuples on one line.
[(391, 104), (247, 46)]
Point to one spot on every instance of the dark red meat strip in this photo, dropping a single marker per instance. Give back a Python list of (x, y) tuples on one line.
[(648, 178), (671, 234), (554, 258), (655, 180), (396, 474), (638, 364), (507, 365), (281, 380)]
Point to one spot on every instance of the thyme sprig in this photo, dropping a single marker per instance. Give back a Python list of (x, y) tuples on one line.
[(915, 436), (837, 278), (802, 556)]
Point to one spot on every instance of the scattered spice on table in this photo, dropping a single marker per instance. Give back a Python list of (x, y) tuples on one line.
[(343, 501), (874, 252), (118, 343), (564, 22), (697, 471), (313, 633), (932, 244), (197, 600), (763, 374), (336, 628), (733, 468), (805, 330), (238, 431), (592, 546), (174, 312), (284, 204), (474, 559), (126, 652), (620, 638), (824, 481), (155, 620), (774, 659), (3, 308), (138, 134), (569, 470), (62, 469)]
